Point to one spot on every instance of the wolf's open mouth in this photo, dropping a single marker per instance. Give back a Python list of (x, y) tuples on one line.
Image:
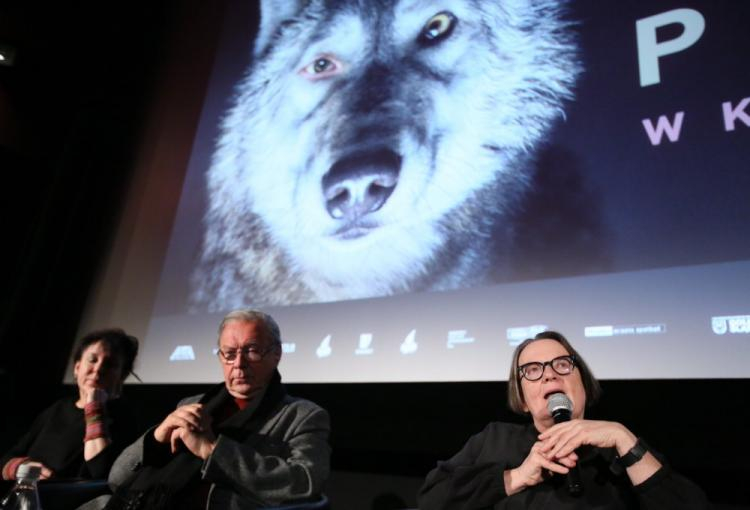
[(354, 230)]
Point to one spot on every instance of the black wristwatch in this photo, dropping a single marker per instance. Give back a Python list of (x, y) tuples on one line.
[(635, 454)]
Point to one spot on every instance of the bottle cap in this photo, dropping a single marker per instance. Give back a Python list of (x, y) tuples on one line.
[(27, 471)]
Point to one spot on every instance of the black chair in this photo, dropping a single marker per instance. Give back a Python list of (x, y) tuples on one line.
[(69, 494)]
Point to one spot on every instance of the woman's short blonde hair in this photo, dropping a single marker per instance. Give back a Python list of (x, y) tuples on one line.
[(515, 393)]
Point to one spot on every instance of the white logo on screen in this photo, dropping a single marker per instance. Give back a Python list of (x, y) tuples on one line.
[(518, 334), (288, 347), (365, 339), (182, 353), (735, 324), (719, 325), (324, 349), (409, 345), (458, 336)]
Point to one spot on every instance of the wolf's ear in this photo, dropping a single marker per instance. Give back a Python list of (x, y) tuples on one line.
[(272, 14)]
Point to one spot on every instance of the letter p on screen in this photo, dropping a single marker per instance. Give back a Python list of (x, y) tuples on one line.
[(649, 50)]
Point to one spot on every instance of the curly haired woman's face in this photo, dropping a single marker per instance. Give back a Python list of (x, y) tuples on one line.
[(98, 368)]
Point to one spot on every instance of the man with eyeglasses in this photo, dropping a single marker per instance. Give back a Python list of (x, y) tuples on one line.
[(510, 466), (243, 444)]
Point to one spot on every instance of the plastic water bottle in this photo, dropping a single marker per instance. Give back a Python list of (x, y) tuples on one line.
[(24, 495)]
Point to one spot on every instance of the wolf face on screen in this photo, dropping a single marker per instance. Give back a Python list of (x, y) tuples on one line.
[(378, 147)]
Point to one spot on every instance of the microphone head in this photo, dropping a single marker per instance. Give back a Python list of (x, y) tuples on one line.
[(559, 403)]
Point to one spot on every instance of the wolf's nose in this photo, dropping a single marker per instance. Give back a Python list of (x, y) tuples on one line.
[(360, 183)]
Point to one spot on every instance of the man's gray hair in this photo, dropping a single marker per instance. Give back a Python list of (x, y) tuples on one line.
[(269, 324)]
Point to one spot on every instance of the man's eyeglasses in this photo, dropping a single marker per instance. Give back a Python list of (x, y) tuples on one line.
[(252, 354), (534, 370)]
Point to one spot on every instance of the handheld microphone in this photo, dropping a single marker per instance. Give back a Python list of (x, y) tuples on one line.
[(561, 409)]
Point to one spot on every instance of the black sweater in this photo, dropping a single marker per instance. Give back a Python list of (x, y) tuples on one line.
[(56, 439), (473, 479)]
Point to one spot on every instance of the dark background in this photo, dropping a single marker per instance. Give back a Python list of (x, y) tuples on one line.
[(73, 113)]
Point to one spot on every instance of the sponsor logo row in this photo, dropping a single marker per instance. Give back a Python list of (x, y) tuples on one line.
[(721, 325), (364, 347)]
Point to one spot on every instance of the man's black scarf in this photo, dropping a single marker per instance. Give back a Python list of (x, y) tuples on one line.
[(158, 485)]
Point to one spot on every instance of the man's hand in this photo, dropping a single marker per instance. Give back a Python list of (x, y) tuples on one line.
[(189, 417), (191, 425), (200, 444)]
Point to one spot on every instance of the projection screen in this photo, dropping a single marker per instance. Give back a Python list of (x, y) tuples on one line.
[(411, 188)]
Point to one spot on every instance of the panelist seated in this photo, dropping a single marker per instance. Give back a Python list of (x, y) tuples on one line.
[(244, 444), (81, 436), (537, 466)]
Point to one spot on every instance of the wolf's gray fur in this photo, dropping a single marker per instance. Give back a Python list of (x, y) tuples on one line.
[(378, 147)]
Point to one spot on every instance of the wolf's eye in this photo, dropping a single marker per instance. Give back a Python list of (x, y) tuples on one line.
[(438, 27), (321, 67)]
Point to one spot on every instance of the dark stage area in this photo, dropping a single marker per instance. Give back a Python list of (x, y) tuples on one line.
[(386, 437)]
